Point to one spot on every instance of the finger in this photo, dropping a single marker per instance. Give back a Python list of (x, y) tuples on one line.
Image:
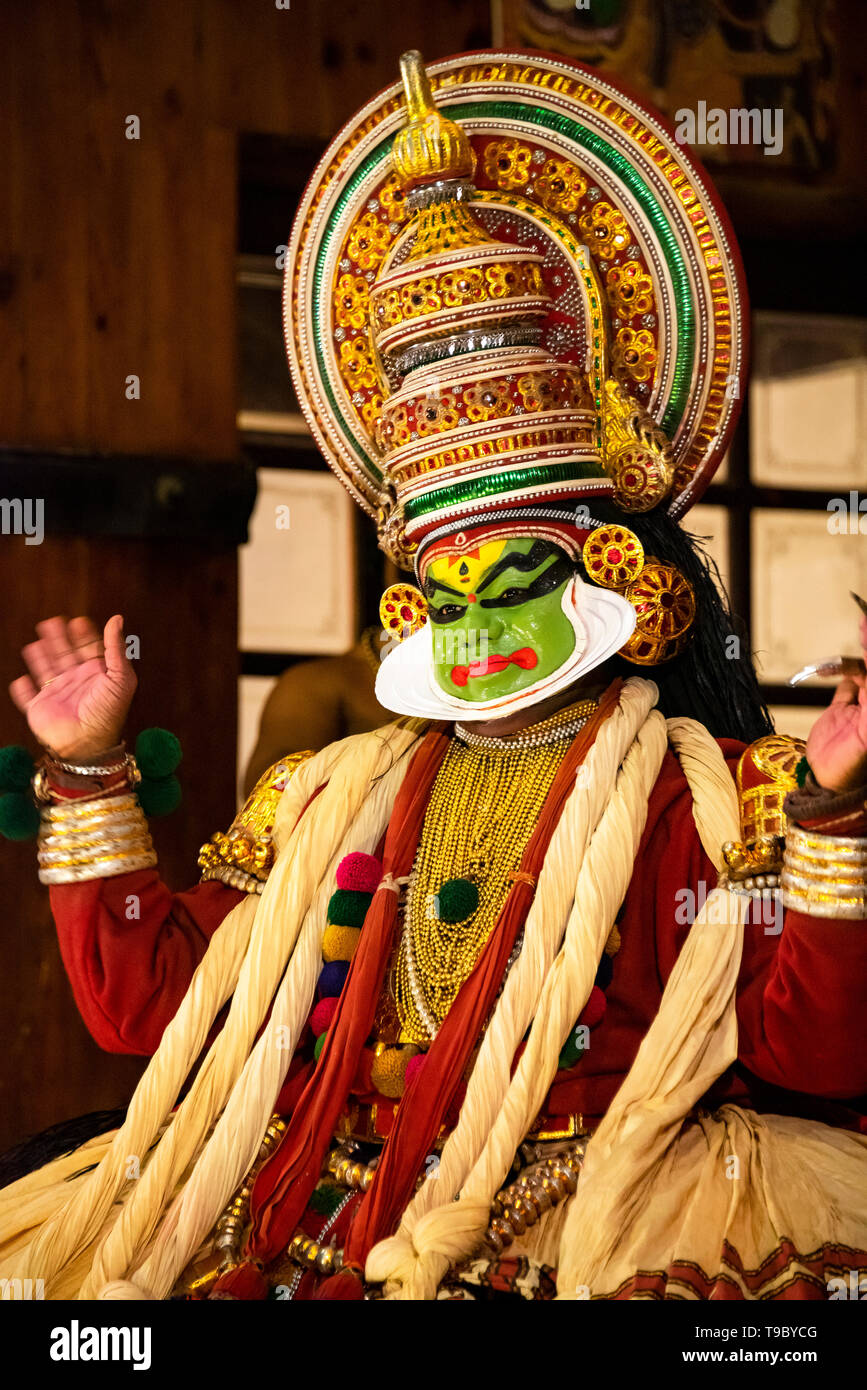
[(116, 662), (846, 692), (38, 662), (85, 638), (23, 691), (56, 638)]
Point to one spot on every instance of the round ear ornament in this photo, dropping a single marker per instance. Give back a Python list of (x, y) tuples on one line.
[(663, 598), (402, 610)]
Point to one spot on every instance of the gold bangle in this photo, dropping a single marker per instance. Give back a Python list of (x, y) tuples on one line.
[(825, 875), (84, 872)]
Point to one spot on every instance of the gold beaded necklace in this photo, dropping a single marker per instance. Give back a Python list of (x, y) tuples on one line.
[(484, 806)]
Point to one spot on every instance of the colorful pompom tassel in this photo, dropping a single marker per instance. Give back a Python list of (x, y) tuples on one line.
[(388, 1072), (359, 873), (346, 908), (594, 1009), (339, 943), (332, 978), (320, 1019)]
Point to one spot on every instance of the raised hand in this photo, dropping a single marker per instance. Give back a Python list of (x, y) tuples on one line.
[(80, 686), (837, 746)]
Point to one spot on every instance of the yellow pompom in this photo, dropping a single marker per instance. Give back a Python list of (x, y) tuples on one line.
[(388, 1072), (339, 943)]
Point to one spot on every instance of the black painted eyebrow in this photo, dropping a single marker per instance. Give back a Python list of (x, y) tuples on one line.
[(544, 583), (430, 584), (524, 563)]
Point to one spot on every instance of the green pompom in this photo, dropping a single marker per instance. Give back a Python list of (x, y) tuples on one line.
[(801, 772), (16, 768), (347, 907), (159, 796), (19, 818), (457, 900), (157, 753), (573, 1048), (318, 1045), (326, 1198)]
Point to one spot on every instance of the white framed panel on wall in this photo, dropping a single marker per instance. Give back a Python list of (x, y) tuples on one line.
[(795, 720), (808, 401), (710, 524), (297, 572), (804, 567)]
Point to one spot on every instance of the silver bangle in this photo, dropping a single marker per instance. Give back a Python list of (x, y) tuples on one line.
[(97, 769)]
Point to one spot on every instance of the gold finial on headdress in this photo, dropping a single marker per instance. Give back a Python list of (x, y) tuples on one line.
[(430, 146)]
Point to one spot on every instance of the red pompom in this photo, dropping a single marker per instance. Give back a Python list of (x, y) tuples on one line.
[(414, 1066), (320, 1019), (359, 873), (594, 1009)]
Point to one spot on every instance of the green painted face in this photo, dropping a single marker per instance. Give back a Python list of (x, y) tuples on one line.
[(496, 619)]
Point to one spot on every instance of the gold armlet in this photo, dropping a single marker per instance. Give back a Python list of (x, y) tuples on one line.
[(765, 776), (242, 857)]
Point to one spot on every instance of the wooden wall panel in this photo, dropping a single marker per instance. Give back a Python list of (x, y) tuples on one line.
[(174, 597)]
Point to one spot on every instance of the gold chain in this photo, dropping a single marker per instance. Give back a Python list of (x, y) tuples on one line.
[(484, 806)]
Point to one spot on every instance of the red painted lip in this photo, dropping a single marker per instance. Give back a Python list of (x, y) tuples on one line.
[(493, 664)]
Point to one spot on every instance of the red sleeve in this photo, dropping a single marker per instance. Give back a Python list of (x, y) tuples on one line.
[(801, 1005), (802, 1020), (130, 948)]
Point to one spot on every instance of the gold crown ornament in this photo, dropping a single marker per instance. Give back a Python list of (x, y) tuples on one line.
[(510, 290)]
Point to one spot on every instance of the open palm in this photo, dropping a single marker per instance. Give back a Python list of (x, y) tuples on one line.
[(837, 746), (80, 686)]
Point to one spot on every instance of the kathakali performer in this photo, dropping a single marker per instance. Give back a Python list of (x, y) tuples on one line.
[(555, 985)]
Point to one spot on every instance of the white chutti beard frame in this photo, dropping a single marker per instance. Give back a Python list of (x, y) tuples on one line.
[(406, 684)]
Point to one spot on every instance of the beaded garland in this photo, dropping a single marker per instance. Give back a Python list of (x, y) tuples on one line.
[(484, 806)]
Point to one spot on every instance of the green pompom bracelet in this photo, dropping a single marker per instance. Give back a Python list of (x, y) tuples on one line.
[(159, 796), (19, 818), (16, 768), (157, 753)]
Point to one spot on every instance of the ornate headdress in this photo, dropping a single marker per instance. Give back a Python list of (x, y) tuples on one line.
[(513, 301)]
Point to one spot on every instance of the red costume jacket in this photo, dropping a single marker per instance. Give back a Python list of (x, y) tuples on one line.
[(803, 979)]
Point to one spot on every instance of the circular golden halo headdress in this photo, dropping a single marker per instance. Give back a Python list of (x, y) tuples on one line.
[(509, 287)]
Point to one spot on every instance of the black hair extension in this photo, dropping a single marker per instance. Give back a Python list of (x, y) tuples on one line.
[(713, 679)]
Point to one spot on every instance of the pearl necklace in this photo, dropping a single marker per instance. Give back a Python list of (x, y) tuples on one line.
[(563, 725)]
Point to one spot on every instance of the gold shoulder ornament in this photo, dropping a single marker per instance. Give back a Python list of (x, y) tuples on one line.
[(765, 776), (242, 857)]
